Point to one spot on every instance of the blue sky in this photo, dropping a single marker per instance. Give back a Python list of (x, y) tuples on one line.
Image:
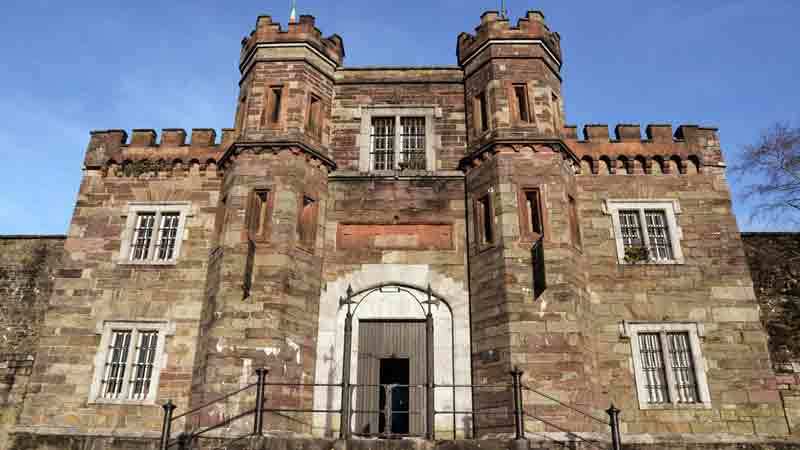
[(71, 67)]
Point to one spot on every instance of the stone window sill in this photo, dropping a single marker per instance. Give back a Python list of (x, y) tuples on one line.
[(121, 402), (675, 406), (173, 262), (651, 263)]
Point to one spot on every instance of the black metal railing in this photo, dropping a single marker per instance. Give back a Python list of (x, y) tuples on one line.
[(346, 411), (183, 440)]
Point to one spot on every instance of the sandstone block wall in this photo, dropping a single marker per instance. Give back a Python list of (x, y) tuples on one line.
[(28, 266), (712, 287), (94, 284)]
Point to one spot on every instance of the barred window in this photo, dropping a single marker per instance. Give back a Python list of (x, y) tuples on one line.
[(143, 236), (167, 236), (413, 142), (630, 228), (153, 233), (653, 366), (659, 235), (116, 364), (649, 225), (130, 354), (383, 143), (682, 366), (668, 368), (393, 139)]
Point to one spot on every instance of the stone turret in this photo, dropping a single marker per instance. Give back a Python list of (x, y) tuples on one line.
[(286, 89), (512, 79), (262, 302)]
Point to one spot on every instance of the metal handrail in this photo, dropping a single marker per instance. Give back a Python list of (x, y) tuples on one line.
[(563, 430), (206, 405), (347, 411), (184, 439), (568, 406)]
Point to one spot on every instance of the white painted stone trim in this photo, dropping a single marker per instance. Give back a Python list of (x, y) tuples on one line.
[(448, 347), (671, 208), (366, 113), (182, 208), (696, 330), (104, 328)]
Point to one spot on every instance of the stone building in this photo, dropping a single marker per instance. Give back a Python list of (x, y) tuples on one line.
[(467, 228)]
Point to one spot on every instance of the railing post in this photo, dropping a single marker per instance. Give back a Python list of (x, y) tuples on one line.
[(430, 405), (258, 421), (344, 431), (516, 384), (387, 410), (613, 415), (166, 426)]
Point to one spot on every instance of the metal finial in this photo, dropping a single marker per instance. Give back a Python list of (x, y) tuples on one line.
[(293, 13), (349, 292), (503, 10)]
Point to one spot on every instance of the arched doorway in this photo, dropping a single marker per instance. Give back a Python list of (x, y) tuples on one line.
[(394, 393), (399, 309)]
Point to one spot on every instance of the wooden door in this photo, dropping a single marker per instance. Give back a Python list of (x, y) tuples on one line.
[(385, 339)]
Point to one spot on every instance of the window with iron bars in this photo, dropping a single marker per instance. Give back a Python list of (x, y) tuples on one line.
[(391, 150), (130, 354), (654, 236), (668, 366), (153, 234), (676, 361)]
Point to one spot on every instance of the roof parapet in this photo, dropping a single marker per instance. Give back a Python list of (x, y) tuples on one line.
[(113, 145), (628, 132), (173, 137), (659, 132)]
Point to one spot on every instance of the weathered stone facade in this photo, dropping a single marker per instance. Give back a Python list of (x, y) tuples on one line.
[(27, 270), (405, 191)]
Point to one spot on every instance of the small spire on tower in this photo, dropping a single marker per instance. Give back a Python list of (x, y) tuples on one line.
[(293, 13), (503, 10)]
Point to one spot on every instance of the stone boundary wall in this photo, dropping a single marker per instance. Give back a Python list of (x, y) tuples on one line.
[(27, 267), (25, 441)]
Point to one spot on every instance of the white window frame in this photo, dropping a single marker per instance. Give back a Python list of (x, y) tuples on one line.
[(696, 331), (105, 330), (671, 209), (157, 208), (429, 113)]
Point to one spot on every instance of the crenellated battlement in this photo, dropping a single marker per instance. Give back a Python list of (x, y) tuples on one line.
[(302, 31), (686, 150), (144, 149), (495, 27)]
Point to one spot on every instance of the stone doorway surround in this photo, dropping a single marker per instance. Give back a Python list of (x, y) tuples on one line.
[(451, 342)]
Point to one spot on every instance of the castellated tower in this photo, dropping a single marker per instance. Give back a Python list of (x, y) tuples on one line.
[(517, 168), (263, 285)]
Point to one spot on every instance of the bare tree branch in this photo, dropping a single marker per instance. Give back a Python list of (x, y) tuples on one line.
[(770, 171)]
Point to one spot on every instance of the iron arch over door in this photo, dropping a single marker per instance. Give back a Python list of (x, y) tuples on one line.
[(388, 347)]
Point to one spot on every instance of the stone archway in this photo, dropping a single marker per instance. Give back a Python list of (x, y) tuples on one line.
[(451, 336)]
